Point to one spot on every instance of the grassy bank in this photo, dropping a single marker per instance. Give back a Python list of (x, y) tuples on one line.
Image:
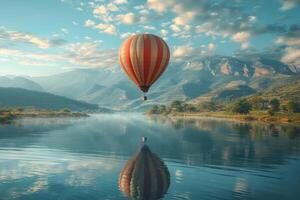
[(9, 115), (252, 116)]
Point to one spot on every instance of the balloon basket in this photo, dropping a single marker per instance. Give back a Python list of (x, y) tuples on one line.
[(145, 98)]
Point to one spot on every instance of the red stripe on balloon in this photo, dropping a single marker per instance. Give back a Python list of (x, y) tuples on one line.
[(167, 61), (159, 58)]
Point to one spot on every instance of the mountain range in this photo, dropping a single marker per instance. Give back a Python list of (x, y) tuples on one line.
[(19, 82), (18, 97), (208, 77)]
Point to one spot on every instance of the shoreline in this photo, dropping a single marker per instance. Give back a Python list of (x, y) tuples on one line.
[(280, 118), (8, 117)]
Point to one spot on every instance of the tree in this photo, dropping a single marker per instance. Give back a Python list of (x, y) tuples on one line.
[(208, 106), (275, 105), (293, 107), (177, 106), (19, 109), (154, 110), (242, 107), (258, 103), (189, 107), (271, 112), (162, 109)]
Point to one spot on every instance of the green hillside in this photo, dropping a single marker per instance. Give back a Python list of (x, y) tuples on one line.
[(285, 92), (278, 104), (17, 97)]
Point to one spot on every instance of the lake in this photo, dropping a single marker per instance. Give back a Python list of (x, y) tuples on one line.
[(206, 158)]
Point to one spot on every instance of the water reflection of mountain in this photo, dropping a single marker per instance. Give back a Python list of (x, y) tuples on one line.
[(195, 142), (34, 125)]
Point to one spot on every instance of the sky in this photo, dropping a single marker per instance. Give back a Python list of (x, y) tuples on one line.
[(39, 38)]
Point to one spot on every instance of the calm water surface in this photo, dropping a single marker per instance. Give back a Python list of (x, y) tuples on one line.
[(207, 159)]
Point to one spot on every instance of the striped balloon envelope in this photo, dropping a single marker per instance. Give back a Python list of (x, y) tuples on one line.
[(144, 176), (144, 58)]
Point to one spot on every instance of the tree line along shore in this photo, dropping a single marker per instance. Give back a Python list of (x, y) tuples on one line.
[(9, 114), (245, 109)]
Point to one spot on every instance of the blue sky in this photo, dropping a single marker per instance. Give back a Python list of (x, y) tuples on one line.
[(52, 36)]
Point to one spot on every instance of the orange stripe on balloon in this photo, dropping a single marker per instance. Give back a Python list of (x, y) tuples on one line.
[(140, 55), (122, 63), (121, 57), (134, 60), (147, 55), (125, 55), (154, 53), (164, 63)]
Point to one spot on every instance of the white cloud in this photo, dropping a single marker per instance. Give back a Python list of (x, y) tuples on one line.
[(157, 5), (211, 48), (148, 27), (107, 28), (84, 49), (289, 4), (164, 32), (242, 37), (86, 54), (175, 28), (184, 19), (9, 52), (64, 30), (23, 56), (24, 37), (187, 28), (89, 23), (245, 45), (291, 53), (126, 35), (120, 2), (35, 63), (209, 29), (144, 11), (194, 65), (103, 12), (100, 10), (89, 54), (252, 18), (183, 51), (291, 56), (80, 9), (112, 7), (128, 18), (291, 41)]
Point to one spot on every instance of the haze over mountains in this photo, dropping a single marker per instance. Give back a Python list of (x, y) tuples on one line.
[(19, 82), (19, 97), (212, 77)]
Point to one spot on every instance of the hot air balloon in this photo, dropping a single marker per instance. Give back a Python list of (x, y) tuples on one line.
[(144, 176), (144, 58)]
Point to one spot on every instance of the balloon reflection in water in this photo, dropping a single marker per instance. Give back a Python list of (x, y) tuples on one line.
[(144, 176)]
